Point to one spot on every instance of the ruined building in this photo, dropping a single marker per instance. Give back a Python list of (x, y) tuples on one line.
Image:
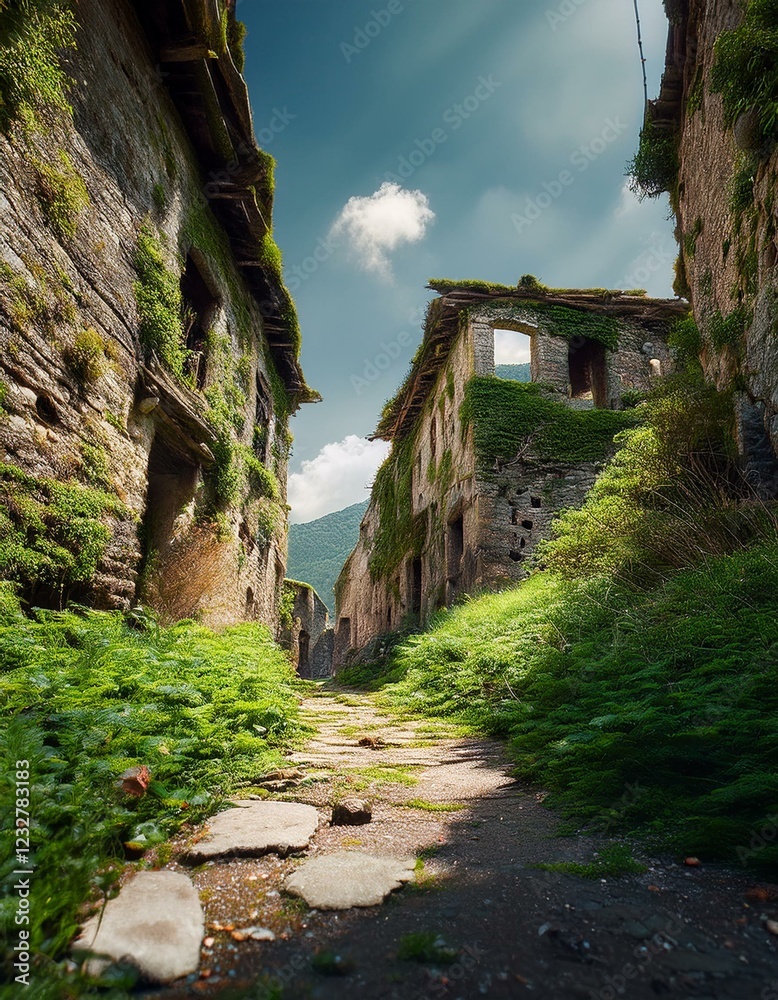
[(306, 630), (481, 464), (149, 360), (711, 142)]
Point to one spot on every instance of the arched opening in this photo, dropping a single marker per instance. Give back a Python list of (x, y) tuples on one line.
[(512, 354)]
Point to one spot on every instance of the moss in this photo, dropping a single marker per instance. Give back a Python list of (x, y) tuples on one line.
[(159, 195), (86, 357), (261, 481), (62, 195), (158, 298), (680, 280), (400, 534), (51, 533), (727, 331), (236, 38), (573, 323), (115, 421), (654, 168), (33, 84), (94, 463), (286, 606), (684, 340), (527, 283), (690, 239), (745, 69), (694, 101), (507, 415), (450, 385)]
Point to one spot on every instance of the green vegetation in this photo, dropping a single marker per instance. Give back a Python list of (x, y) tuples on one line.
[(400, 533), (62, 195), (45, 302), (654, 168), (52, 534), (87, 695), (86, 357), (426, 947), (94, 464), (727, 331), (434, 807), (635, 676), (690, 239), (33, 84), (236, 38), (508, 415), (745, 70), (158, 297), (612, 861)]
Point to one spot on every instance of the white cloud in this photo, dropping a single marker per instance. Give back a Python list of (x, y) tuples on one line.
[(339, 476), (377, 225)]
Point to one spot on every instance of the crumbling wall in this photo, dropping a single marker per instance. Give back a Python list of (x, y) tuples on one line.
[(720, 164), (178, 458), (307, 633), (474, 481)]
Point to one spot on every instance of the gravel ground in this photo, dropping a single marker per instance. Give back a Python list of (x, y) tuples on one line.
[(503, 927)]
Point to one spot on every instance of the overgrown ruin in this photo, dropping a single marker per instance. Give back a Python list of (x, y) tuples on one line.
[(149, 347), (480, 465)]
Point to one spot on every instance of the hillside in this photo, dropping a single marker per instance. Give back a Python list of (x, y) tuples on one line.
[(518, 373), (318, 549)]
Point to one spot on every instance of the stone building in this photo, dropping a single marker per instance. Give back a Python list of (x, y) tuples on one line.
[(149, 359), (711, 142), (480, 465), (307, 634)]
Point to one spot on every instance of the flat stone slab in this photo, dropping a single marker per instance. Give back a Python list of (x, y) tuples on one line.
[(348, 878), (155, 924), (257, 828)]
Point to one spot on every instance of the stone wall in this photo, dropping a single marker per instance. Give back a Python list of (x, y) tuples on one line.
[(724, 198), (310, 639), (186, 469), (442, 522)]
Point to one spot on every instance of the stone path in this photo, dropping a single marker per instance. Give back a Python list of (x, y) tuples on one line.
[(480, 918)]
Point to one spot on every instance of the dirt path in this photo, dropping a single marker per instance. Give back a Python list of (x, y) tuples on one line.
[(507, 928)]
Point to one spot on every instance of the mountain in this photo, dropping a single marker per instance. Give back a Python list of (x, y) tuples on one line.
[(517, 373), (318, 549)]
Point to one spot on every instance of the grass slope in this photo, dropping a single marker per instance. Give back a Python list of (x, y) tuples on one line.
[(318, 549), (655, 710), (87, 695)]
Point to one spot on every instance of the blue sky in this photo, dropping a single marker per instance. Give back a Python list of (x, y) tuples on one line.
[(440, 138)]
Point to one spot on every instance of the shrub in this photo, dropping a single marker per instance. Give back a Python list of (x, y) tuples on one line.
[(654, 168), (86, 357)]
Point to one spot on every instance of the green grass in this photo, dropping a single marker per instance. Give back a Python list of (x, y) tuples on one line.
[(434, 807), (384, 774), (610, 862), (86, 695), (426, 947)]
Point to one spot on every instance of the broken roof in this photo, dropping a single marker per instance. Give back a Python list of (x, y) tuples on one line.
[(190, 41), (443, 326)]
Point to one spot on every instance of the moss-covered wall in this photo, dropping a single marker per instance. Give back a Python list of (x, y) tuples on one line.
[(470, 489), (181, 473), (718, 115)]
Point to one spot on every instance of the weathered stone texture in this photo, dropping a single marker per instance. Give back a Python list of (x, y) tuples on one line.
[(729, 262), (311, 638), (481, 526), (129, 144)]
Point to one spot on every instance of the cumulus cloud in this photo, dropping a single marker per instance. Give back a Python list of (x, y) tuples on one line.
[(377, 225), (338, 477)]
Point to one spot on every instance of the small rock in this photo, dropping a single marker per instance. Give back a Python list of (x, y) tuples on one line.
[(348, 878), (351, 812), (209, 942), (763, 894), (692, 862), (772, 926), (135, 781), (255, 829), (374, 742)]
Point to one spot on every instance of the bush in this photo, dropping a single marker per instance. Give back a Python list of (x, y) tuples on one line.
[(85, 696), (62, 195), (86, 357), (654, 168), (159, 302)]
